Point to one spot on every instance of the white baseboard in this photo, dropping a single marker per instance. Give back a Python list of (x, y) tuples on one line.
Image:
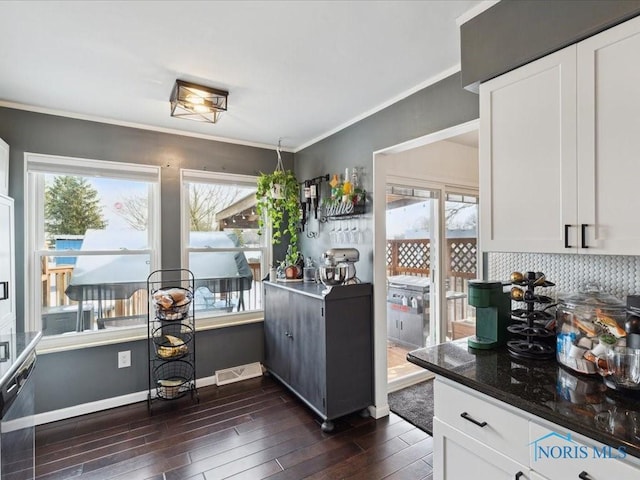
[(107, 403)]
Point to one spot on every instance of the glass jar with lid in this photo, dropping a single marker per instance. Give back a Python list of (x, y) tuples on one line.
[(589, 323)]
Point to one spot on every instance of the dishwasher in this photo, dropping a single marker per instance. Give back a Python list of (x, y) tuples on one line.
[(17, 427)]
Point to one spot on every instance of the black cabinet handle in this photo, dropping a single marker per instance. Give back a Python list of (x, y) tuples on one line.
[(566, 236), (518, 475), (584, 476), (466, 416), (4, 290), (583, 229)]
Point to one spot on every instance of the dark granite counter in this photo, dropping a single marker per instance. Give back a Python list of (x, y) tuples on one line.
[(542, 388)]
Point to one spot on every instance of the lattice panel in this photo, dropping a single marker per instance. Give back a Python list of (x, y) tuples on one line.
[(414, 254), (409, 256), (463, 256)]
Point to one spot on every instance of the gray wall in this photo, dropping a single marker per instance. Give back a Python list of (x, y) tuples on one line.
[(87, 375), (512, 33), (78, 376), (439, 106)]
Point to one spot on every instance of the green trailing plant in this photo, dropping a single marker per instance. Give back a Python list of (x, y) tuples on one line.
[(274, 209)]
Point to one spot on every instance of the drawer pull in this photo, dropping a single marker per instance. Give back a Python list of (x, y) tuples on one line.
[(466, 416), (584, 476), (518, 475)]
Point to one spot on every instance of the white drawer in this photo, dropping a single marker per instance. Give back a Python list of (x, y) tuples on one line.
[(494, 426), (560, 454)]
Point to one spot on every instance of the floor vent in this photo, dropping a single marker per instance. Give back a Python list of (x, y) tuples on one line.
[(235, 374)]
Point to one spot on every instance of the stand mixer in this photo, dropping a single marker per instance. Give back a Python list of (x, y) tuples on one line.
[(339, 268)]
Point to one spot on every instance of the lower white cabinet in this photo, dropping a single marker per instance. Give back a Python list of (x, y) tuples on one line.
[(476, 436), (560, 454), (458, 456)]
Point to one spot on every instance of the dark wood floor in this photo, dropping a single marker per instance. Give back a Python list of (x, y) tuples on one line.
[(246, 430)]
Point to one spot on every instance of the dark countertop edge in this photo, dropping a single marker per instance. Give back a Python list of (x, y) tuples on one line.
[(29, 348), (528, 407)]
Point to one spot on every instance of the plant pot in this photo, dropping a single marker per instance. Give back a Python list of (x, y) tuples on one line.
[(291, 272), (276, 191)]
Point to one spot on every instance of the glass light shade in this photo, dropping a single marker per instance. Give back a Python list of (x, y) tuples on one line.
[(196, 102)]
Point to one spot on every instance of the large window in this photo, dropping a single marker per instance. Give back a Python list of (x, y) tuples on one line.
[(92, 239), (221, 245)]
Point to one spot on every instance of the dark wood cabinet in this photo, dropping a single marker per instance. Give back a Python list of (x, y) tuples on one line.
[(320, 345)]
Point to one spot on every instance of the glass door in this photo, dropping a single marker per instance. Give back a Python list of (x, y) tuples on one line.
[(412, 233), (460, 262)]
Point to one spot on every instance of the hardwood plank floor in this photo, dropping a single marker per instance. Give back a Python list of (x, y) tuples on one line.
[(247, 430)]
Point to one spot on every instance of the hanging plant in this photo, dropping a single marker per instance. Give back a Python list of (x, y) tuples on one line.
[(278, 196)]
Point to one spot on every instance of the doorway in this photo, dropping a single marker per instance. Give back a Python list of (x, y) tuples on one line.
[(407, 165)]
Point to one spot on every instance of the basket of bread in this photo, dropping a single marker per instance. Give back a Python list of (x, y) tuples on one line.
[(170, 346), (172, 303)]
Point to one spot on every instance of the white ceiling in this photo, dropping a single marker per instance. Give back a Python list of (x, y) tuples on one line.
[(296, 70)]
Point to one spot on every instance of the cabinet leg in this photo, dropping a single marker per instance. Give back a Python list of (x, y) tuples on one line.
[(327, 426)]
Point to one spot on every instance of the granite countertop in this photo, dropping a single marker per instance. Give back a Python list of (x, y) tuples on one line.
[(543, 388), (318, 290)]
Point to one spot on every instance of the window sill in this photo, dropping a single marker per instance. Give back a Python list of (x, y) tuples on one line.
[(79, 341)]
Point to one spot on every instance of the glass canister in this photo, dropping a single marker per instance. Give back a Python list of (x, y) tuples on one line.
[(589, 323)]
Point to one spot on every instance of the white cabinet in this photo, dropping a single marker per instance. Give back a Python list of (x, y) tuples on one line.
[(560, 454), (609, 139), (528, 156), (558, 147), (476, 436), (4, 168), (7, 267), (458, 456), (483, 420)]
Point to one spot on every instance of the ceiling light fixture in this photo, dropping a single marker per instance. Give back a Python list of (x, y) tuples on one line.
[(196, 102)]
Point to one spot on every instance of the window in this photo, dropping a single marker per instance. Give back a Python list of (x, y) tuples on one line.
[(221, 245), (92, 238)]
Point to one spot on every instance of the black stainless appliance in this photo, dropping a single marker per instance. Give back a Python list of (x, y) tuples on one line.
[(408, 310), (17, 429)]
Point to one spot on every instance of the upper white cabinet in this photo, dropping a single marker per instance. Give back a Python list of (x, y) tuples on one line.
[(7, 267), (4, 168), (609, 139), (528, 156), (558, 144)]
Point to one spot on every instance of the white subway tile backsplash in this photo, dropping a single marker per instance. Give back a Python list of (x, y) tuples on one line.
[(617, 275)]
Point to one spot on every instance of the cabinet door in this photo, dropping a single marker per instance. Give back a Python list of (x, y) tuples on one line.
[(7, 266), (308, 352), (277, 331), (528, 157), (4, 168), (609, 139), (457, 456)]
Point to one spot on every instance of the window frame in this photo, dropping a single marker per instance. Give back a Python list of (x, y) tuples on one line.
[(35, 167), (204, 176)]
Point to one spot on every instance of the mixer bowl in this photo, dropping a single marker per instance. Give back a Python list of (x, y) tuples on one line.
[(333, 275)]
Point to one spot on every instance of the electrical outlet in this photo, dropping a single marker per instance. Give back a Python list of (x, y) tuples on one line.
[(124, 359)]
